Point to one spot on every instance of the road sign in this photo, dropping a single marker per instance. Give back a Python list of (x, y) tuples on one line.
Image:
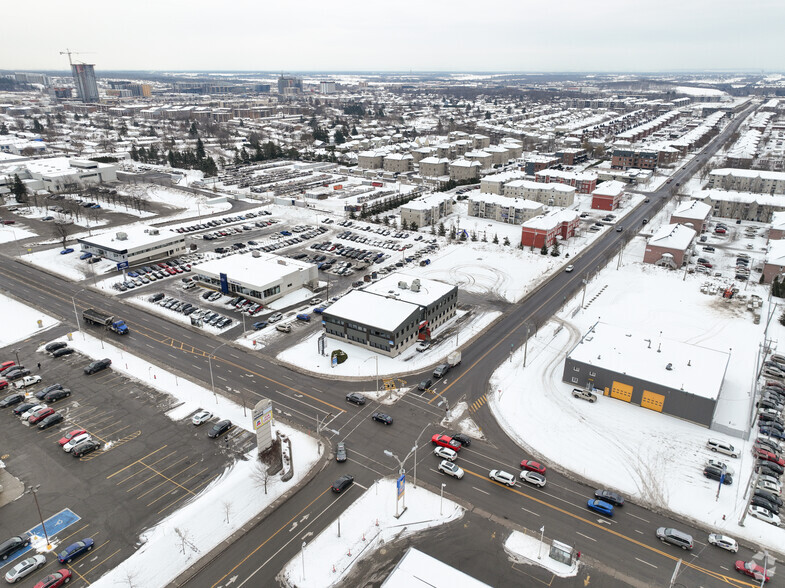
[(122, 265), (401, 485)]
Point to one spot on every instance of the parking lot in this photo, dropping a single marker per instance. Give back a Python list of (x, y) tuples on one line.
[(145, 468)]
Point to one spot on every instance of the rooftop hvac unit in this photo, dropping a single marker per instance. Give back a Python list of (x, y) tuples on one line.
[(415, 287), (669, 366), (122, 236), (256, 253), (281, 262), (153, 232), (403, 285)]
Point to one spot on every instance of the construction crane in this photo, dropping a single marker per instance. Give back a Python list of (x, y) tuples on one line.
[(69, 53)]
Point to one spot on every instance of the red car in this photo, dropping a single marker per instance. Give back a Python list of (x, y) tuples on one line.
[(446, 441), (705, 264), (38, 417), (761, 453), (71, 435), (3, 384), (750, 569), (533, 466), (720, 231), (55, 580)]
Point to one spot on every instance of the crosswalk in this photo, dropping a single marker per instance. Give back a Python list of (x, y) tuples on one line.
[(478, 404)]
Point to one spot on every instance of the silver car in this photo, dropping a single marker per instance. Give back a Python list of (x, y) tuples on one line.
[(25, 568)]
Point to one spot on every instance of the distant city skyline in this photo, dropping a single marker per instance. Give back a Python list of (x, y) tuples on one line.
[(460, 36)]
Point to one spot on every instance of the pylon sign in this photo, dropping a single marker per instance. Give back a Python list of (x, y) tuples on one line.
[(263, 423)]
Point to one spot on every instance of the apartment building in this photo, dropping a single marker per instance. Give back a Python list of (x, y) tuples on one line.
[(747, 180), (515, 211), (549, 194)]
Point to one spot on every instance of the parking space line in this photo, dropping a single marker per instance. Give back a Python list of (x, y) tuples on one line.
[(99, 563), (135, 462), (142, 470), (73, 571), (184, 496), (169, 493), (143, 494), (152, 476), (167, 478), (80, 529)]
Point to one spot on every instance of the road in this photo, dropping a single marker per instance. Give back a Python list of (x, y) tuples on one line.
[(625, 544)]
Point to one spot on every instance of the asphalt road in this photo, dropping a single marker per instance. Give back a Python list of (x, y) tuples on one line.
[(624, 545)]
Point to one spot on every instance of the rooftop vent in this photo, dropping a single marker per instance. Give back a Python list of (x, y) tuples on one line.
[(122, 236), (669, 367), (403, 285)]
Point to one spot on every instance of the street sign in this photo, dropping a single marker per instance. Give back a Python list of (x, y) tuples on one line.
[(122, 265), (401, 484)]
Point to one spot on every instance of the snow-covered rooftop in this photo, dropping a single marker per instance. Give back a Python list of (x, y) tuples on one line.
[(420, 569), (610, 188), (429, 291), (384, 313), (268, 267), (674, 236), (131, 236), (694, 369), (776, 254), (694, 209)]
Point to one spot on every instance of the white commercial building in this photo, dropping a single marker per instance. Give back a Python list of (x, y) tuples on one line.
[(262, 277), (135, 245), (59, 173)]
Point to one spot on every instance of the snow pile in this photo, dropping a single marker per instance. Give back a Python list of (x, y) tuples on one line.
[(366, 525), (524, 549), (21, 321)]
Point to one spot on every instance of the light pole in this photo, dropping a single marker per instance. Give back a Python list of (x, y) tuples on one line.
[(34, 491), (76, 314), (302, 553), (401, 472), (16, 352), (376, 357), (210, 365), (542, 535), (441, 500), (416, 442)]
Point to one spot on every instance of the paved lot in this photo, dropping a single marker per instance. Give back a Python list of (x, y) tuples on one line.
[(147, 466)]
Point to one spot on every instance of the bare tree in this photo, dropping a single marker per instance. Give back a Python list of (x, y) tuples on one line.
[(227, 509), (185, 540), (260, 476), (62, 229), (129, 578)]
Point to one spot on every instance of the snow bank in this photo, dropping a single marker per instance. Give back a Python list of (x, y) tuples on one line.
[(21, 321)]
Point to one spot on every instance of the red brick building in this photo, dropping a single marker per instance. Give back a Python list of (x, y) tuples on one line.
[(608, 195), (543, 229), (692, 213), (583, 183), (668, 246)]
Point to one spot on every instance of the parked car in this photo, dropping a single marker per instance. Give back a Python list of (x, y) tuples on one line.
[(219, 428), (70, 435), (24, 568), (380, 417), (85, 447), (613, 498), (533, 478), (584, 394), (449, 468), (533, 466), (11, 400), (201, 417), (342, 483), (56, 395), (764, 515), (27, 381), (716, 474), (75, 550), (55, 345), (9, 546), (51, 420), (56, 580), (600, 507), (97, 366), (62, 352), (284, 328)]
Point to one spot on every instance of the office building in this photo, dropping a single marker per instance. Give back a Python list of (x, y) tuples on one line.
[(84, 79)]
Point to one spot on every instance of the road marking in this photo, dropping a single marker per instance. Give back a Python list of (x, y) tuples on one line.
[(222, 378), (637, 517), (647, 563), (361, 486), (587, 537), (536, 514), (641, 532)]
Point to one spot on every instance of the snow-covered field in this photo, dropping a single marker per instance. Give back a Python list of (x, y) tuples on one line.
[(16, 232), (21, 321), (224, 506), (365, 526)]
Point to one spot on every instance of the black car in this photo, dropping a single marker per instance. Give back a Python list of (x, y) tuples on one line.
[(156, 297), (11, 400), (85, 447), (772, 425), (464, 440), (44, 391), (97, 366), (765, 417), (424, 385), (24, 407), (770, 496), (219, 428), (760, 501), (355, 398), (774, 467), (716, 473), (63, 351), (340, 452), (52, 347), (51, 420), (12, 544), (380, 417), (56, 395), (342, 483), (614, 498), (15, 375)]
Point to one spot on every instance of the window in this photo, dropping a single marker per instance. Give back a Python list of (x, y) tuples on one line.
[(574, 380), (593, 374), (575, 368)]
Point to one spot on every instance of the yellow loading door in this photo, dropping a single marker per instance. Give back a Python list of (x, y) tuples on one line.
[(621, 391), (652, 401)]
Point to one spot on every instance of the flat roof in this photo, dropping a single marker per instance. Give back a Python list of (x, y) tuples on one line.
[(645, 355), (505, 200), (430, 290), (419, 570), (369, 309), (245, 268), (137, 235), (610, 188)]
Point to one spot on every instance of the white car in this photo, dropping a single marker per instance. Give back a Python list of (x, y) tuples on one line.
[(274, 318), (771, 479), (533, 478), (502, 477), (449, 468), (25, 568), (569, 268), (76, 441), (201, 417), (445, 453), (769, 487), (423, 346), (28, 381), (724, 542), (764, 515), (716, 463), (31, 411)]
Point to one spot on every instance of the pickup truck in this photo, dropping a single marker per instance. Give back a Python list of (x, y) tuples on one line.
[(584, 394), (28, 381)]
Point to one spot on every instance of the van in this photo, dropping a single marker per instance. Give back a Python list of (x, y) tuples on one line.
[(441, 370), (675, 537), (722, 447), (283, 327)]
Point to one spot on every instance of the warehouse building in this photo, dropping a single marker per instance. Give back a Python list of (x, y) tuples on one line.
[(671, 377), (392, 314), (134, 245), (262, 277)]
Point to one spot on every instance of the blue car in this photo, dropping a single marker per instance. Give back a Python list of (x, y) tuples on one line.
[(304, 317), (774, 433), (95, 206), (86, 255), (259, 325), (286, 233), (319, 309), (66, 251), (600, 506), (75, 550), (133, 274)]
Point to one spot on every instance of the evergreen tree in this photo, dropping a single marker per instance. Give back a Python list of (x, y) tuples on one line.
[(170, 158), (413, 226), (19, 190), (463, 236), (193, 131), (37, 126), (473, 237), (442, 230), (404, 225), (200, 154), (506, 241), (782, 318), (244, 156), (354, 131), (495, 239), (3, 129), (134, 153), (555, 249), (484, 238), (339, 137), (544, 250)]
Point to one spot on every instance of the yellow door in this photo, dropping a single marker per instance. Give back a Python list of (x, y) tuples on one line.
[(652, 401), (621, 391)]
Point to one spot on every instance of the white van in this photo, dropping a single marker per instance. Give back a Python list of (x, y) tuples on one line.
[(722, 447)]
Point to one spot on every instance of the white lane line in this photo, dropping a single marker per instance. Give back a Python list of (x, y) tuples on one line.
[(637, 517), (536, 514), (172, 356), (647, 563), (196, 366), (637, 531), (483, 491), (361, 486), (287, 377), (222, 378), (726, 569), (587, 537), (317, 389)]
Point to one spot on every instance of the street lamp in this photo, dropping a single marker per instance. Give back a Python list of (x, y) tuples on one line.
[(16, 352), (441, 500), (210, 365), (34, 491), (76, 314), (416, 444), (376, 357), (302, 553)]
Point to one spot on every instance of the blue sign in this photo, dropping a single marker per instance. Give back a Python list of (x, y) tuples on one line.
[(122, 265), (54, 524), (335, 361), (401, 484), (224, 283)]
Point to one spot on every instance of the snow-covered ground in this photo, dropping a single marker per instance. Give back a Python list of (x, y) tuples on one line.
[(14, 232), (362, 362), (658, 459), (224, 506), (527, 550), (365, 526), (21, 321)]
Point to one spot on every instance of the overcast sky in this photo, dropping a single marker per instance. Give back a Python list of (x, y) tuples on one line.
[(430, 35)]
